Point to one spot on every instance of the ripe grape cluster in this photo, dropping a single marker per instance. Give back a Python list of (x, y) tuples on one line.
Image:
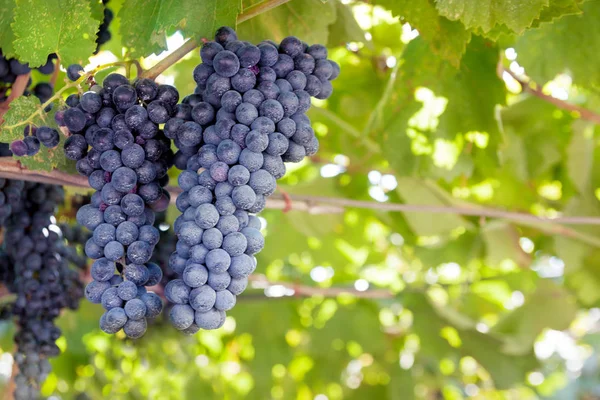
[(246, 119), (36, 269), (116, 141)]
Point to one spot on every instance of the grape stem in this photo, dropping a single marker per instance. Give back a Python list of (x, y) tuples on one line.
[(70, 85), (192, 44)]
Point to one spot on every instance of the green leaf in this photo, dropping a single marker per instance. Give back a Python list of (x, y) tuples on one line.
[(7, 8), (516, 14), (309, 20), (567, 44), (65, 27), (502, 244), (19, 110), (97, 10), (345, 28), (448, 39), (415, 191), (550, 306), (580, 155), (203, 18), (144, 23)]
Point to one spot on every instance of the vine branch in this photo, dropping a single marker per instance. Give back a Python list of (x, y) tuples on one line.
[(536, 90)]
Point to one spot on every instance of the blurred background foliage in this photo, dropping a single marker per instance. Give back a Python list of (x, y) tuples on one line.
[(425, 112)]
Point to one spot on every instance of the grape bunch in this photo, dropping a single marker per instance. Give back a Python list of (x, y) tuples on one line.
[(247, 119), (41, 278), (116, 141)]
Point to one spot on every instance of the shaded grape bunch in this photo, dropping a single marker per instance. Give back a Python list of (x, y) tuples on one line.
[(117, 143), (41, 278), (247, 120)]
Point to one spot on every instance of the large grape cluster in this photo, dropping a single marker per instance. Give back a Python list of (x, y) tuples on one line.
[(40, 277), (247, 119), (116, 141)]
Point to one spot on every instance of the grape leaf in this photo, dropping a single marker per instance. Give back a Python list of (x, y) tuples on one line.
[(97, 10), (567, 44), (309, 20), (19, 110), (516, 14), (447, 38), (6, 33), (345, 29), (144, 24), (203, 18), (40, 31)]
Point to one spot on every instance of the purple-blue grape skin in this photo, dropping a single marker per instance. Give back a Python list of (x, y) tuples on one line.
[(177, 263), (223, 189), (203, 298), (103, 234), (127, 232), (110, 299), (114, 250), (268, 54), (190, 133), (127, 290), (92, 250), (304, 63), (74, 72), (266, 74), (217, 261), (191, 233), (295, 153), (198, 253), (114, 319), (110, 160), (228, 152), (284, 86), (248, 55), (133, 156), (203, 113), (283, 66), (225, 300), (218, 280), (90, 102), (149, 234), (75, 146), (256, 141), (212, 319), (326, 90), (208, 52), (291, 46), (124, 179), (158, 112), (237, 285), (254, 97), (226, 63), (278, 144), (199, 195), (139, 252), (207, 216), (153, 304), (102, 269), (181, 316), (228, 224), (274, 165), (187, 180), (254, 222), (132, 204), (313, 85), (235, 244), (244, 80), (259, 204), (114, 215), (218, 171), (135, 309), (241, 266), (255, 240), (252, 160), (272, 109), (177, 291), (323, 70), (269, 90), (195, 275), (137, 274), (243, 197), (290, 103), (201, 73), (238, 175), (135, 329), (225, 205), (94, 291), (262, 182), (230, 101), (223, 128), (263, 125)]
